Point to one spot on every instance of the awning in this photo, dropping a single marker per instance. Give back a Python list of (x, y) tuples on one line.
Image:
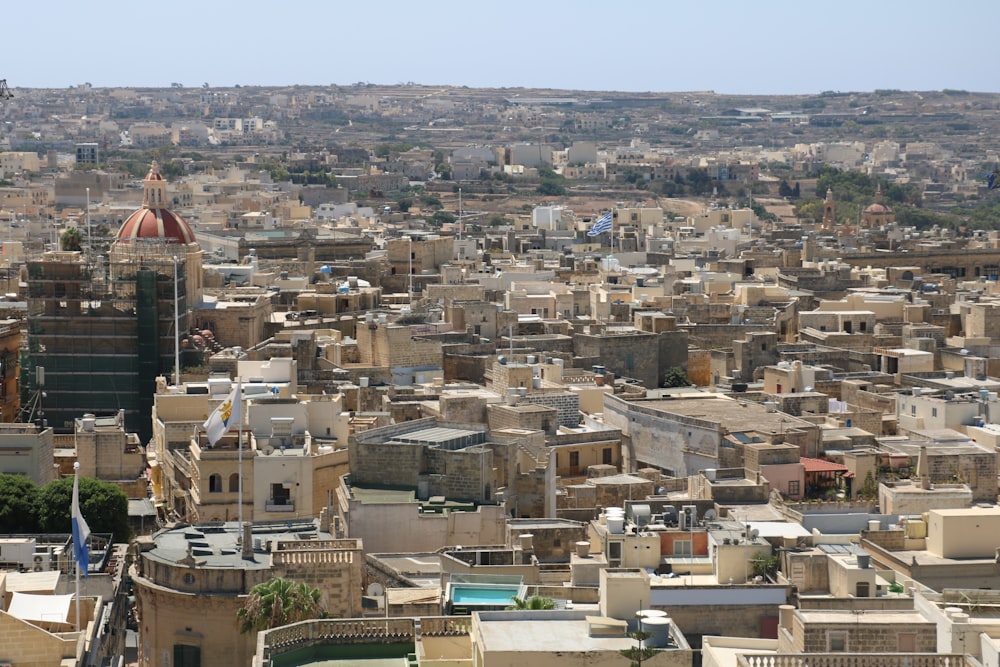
[(49, 608)]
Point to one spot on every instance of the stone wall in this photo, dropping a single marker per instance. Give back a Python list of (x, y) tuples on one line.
[(552, 543), (634, 355), (536, 418), (336, 568), (566, 404), (696, 621), (465, 367), (864, 637), (389, 464), (655, 439)]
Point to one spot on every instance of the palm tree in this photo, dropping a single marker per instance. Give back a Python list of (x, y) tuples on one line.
[(279, 602), (534, 602)]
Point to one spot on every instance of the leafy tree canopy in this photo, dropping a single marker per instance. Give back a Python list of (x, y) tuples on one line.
[(18, 500), (70, 239), (676, 377), (103, 505)]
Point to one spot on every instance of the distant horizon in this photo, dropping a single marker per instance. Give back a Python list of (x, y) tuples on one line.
[(560, 91), (782, 47)]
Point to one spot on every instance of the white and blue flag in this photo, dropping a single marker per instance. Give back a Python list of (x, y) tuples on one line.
[(224, 417), (601, 225), (81, 531)]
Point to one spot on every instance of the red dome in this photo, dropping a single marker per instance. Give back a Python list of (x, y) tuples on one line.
[(878, 209), (156, 223), (154, 220)]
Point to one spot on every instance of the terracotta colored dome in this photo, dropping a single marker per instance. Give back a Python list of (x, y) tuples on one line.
[(154, 221), (878, 209)]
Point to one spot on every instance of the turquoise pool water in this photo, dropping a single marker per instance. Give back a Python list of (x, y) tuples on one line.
[(478, 595)]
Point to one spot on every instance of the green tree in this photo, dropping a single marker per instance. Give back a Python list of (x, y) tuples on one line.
[(638, 653), (765, 566), (279, 602), (676, 377), (869, 489), (442, 218), (550, 189), (18, 500), (430, 201), (70, 239), (102, 504), (534, 602)]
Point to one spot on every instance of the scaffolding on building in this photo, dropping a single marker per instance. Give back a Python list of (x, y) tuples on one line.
[(103, 330)]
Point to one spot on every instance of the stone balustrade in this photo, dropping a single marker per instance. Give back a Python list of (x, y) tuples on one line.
[(853, 660)]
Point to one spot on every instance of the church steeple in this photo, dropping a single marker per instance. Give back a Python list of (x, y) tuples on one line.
[(154, 188), (829, 218)]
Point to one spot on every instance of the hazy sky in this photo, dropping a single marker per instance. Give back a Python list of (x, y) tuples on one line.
[(729, 46)]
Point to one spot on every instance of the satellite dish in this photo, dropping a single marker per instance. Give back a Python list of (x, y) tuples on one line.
[(710, 515), (754, 534), (375, 590)]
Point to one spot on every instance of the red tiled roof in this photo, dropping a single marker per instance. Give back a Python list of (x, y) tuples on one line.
[(820, 465)]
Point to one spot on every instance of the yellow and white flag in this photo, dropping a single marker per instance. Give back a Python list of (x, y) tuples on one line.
[(224, 417)]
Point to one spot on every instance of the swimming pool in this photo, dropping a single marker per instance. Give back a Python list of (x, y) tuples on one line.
[(486, 595)]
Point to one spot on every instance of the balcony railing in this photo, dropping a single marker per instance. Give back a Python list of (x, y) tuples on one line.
[(854, 660), (283, 506)]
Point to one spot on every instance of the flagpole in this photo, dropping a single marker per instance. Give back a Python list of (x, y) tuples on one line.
[(239, 455), (177, 333), (76, 474), (612, 230)]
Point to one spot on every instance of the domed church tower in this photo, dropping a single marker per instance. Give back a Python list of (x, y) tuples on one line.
[(155, 231), (104, 329)]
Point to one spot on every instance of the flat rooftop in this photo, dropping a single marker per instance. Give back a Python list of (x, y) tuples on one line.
[(423, 569), (442, 436), (532, 632), (215, 545), (735, 416)]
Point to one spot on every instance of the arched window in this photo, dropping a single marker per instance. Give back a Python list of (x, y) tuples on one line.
[(215, 483), (234, 483)]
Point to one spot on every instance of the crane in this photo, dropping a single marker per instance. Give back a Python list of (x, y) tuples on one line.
[(5, 93)]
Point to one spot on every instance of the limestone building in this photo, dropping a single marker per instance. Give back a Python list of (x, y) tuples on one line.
[(190, 580), (100, 330)]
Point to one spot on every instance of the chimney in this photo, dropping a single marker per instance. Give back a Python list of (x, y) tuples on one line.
[(247, 541), (324, 520)]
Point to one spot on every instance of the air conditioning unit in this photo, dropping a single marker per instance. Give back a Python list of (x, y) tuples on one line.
[(39, 563)]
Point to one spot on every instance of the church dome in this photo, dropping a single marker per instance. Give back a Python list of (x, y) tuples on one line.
[(878, 209), (154, 221)]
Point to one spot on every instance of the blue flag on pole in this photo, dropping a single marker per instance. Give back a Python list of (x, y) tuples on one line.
[(601, 225), (81, 531)]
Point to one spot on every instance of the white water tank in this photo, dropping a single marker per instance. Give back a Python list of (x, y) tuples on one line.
[(616, 524), (658, 628)]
